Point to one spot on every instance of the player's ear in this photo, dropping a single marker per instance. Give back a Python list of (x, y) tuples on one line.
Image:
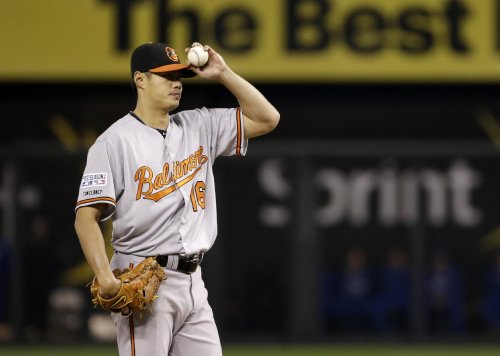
[(139, 79)]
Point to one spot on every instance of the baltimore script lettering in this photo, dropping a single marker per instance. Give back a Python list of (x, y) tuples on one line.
[(149, 185)]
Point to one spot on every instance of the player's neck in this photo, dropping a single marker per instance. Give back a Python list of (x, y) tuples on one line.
[(157, 119)]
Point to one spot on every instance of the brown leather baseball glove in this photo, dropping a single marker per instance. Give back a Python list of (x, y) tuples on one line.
[(139, 287)]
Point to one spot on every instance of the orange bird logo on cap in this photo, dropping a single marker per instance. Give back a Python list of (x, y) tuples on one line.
[(171, 54)]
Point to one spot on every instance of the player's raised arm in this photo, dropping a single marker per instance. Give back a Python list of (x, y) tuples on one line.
[(260, 116)]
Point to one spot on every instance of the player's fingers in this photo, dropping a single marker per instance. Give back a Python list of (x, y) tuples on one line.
[(194, 44), (211, 52), (195, 69)]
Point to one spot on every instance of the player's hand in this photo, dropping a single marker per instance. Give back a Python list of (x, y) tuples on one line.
[(215, 67), (110, 289)]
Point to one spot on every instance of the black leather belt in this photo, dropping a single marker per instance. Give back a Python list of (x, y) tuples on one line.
[(185, 264)]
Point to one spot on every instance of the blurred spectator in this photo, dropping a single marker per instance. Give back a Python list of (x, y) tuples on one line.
[(444, 294), (347, 294), (491, 301), (40, 261), (391, 305), (5, 264)]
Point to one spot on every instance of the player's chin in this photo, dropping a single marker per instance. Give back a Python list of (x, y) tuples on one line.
[(174, 99), (172, 103)]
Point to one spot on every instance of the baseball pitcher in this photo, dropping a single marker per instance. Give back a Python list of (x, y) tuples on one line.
[(151, 172)]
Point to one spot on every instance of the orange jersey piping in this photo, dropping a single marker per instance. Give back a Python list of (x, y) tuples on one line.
[(96, 200), (238, 132)]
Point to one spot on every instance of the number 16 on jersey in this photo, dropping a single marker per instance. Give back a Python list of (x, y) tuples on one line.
[(198, 195)]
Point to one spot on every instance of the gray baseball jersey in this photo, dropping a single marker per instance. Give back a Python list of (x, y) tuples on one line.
[(160, 190)]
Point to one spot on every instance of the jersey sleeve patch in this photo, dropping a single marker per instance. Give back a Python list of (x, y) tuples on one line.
[(94, 180)]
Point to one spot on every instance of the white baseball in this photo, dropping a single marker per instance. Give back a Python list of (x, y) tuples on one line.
[(197, 56)]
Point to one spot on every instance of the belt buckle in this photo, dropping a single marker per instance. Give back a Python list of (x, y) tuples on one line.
[(191, 263), (194, 259)]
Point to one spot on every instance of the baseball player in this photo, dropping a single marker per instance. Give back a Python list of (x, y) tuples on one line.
[(151, 172)]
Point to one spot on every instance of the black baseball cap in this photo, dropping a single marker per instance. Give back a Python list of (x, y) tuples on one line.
[(157, 58)]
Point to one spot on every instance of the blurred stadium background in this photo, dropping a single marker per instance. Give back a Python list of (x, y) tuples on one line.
[(369, 217)]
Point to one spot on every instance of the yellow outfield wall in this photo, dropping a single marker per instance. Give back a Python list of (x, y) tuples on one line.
[(266, 40)]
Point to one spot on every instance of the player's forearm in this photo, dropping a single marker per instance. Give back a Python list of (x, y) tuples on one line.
[(92, 243), (254, 105)]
